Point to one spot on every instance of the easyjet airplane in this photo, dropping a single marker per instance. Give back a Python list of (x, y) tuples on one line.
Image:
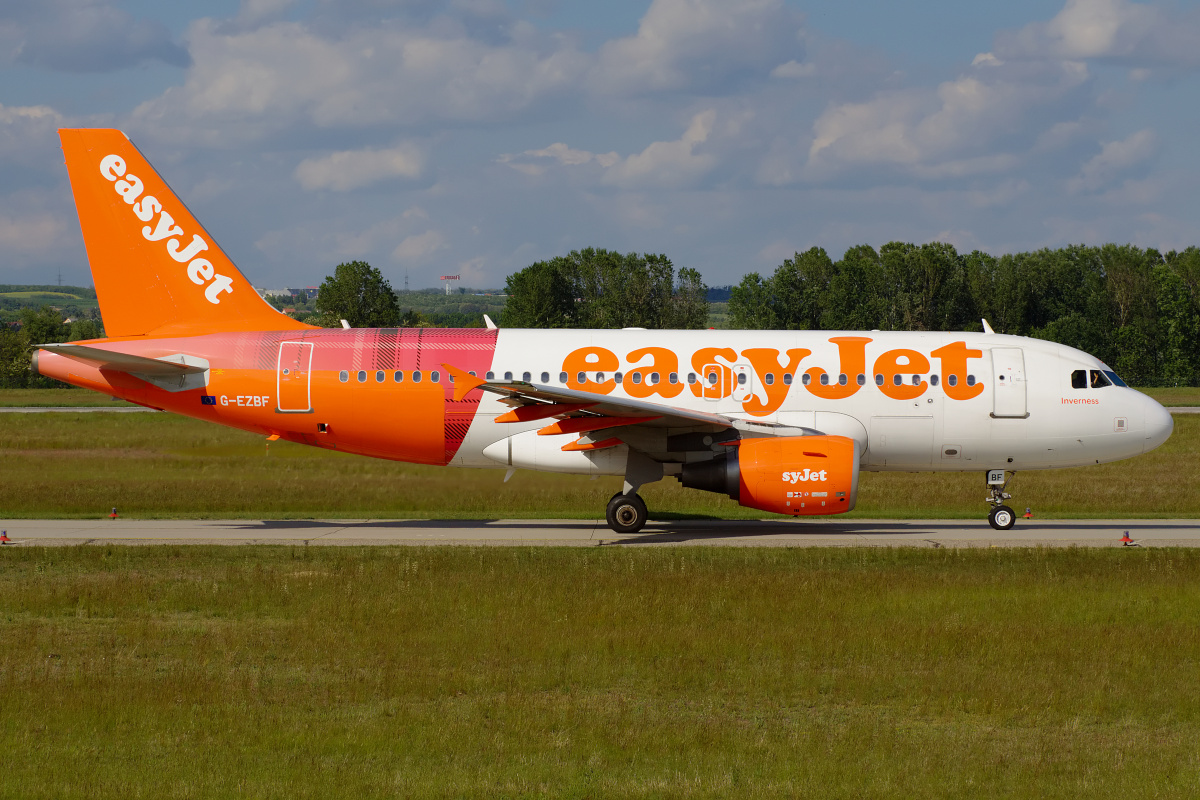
[(781, 421)]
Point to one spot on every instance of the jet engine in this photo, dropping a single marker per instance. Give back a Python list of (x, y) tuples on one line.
[(797, 475)]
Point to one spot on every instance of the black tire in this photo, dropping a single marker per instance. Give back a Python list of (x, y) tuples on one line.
[(1002, 518), (626, 513)]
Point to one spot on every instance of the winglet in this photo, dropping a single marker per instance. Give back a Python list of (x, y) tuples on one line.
[(987, 328), (491, 326), (463, 381)]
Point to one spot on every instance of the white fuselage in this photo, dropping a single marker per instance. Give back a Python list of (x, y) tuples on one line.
[(913, 401)]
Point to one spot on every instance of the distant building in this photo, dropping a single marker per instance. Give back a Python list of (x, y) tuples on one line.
[(311, 291)]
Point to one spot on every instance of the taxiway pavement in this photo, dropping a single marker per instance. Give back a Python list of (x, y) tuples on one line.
[(592, 533)]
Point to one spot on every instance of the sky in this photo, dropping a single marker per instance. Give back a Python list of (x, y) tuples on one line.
[(475, 137)]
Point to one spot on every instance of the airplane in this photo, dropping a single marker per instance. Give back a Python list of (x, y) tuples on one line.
[(780, 421)]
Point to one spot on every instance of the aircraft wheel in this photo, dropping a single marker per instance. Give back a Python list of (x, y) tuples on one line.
[(1002, 518), (626, 513)]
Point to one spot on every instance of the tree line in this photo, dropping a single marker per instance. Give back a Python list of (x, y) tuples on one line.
[(1136, 309)]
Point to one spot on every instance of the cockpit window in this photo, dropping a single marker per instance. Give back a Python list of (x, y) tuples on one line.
[(1079, 379), (1098, 379), (1112, 376)]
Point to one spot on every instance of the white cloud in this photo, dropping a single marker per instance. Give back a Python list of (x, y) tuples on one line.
[(1109, 29), (1113, 159), (82, 36), (794, 70), (661, 164), (279, 75), (693, 43), (952, 131), (673, 163), (31, 234), (419, 247), (353, 169)]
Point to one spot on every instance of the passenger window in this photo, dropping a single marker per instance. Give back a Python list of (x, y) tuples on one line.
[(580, 378), (508, 376), (379, 376), (599, 377), (491, 376), (434, 376), (712, 379), (862, 379), (562, 377), (842, 379), (691, 378), (770, 379), (878, 380), (1079, 379), (952, 380), (398, 376), (824, 378), (673, 377), (897, 380), (636, 378), (545, 377), (806, 379), (916, 380), (970, 380), (618, 377), (653, 378), (362, 376), (1098, 379), (525, 376), (787, 379), (343, 376), (741, 379), (416, 376)]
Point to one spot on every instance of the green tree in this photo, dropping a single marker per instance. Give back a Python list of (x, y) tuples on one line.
[(858, 292), (359, 294), (43, 325), (14, 359), (539, 296), (597, 288)]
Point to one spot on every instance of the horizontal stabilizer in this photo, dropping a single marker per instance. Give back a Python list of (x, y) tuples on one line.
[(122, 362)]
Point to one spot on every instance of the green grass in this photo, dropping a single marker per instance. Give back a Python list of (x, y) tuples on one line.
[(161, 465), (67, 397), (1175, 395), (522, 672)]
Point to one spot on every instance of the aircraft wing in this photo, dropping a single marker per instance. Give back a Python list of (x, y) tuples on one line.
[(122, 362)]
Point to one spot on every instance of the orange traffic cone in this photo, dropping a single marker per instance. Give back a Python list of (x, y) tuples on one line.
[(4, 537), (113, 515), (1028, 512), (1126, 541)]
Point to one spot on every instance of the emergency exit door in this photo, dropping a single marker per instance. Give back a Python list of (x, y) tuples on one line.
[(294, 378), (1008, 382)]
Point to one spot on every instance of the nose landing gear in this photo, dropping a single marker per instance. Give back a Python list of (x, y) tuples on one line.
[(1001, 517)]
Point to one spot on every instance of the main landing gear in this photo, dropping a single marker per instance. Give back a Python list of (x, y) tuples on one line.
[(1001, 517), (626, 513)]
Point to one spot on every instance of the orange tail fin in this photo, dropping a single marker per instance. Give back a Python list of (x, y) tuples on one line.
[(157, 271)]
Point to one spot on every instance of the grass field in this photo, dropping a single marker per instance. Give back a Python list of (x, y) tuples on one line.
[(149, 672), (42, 398), (161, 465)]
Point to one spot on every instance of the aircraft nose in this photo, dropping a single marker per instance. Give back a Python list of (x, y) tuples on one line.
[(1158, 424)]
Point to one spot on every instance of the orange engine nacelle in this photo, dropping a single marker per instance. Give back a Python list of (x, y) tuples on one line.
[(797, 475)]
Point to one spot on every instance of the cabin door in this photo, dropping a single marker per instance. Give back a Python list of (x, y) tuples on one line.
[(1008, 382), (294, 378)]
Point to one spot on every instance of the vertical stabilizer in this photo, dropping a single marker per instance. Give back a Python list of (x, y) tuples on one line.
[(157, 271)]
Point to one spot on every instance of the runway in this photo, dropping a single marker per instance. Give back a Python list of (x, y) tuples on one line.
[(594, 533)]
